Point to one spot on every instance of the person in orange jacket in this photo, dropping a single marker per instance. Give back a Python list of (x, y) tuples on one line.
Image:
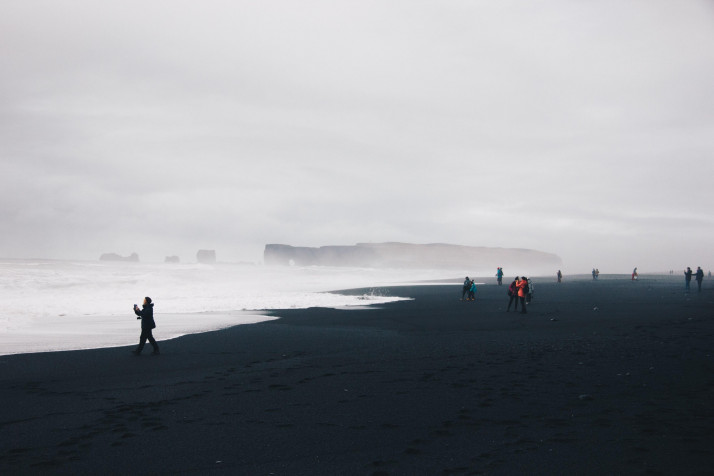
[(522, 287)]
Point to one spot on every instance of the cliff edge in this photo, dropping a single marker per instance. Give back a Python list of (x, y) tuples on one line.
[(406, 255)]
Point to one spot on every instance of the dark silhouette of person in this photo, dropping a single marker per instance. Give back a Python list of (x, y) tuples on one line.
[(146, 314), (560, 276), (465, 289), (513, 294), (699, 277), (687, 278), (499, 276)]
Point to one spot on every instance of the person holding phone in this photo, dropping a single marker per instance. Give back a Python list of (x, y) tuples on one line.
[(146, 314)]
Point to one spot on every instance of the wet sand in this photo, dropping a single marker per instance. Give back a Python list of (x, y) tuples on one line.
[(606, 377)]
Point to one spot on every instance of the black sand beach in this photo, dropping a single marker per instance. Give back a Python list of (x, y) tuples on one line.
[(606, 377)]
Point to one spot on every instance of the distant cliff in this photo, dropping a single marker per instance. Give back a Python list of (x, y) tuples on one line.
[(206, 256), (405, 255), (134, 258)]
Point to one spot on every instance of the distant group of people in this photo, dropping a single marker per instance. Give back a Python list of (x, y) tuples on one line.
[(688, 274), (469, 290), (513, 289), (520, 290), (699, 276)]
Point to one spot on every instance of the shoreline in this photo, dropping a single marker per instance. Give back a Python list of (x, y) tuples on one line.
[(174, 324), (177, 325), (428, 386)]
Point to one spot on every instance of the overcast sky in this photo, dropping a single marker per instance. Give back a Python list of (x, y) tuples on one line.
[(584, 129)]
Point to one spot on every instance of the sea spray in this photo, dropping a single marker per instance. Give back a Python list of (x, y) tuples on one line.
[(56, 305)]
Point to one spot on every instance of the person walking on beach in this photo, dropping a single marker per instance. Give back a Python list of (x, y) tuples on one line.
[(522, 287), (560, 276), (499, 276), (635, 276), (699, 277), (513, 294), (687, 278), (146, 314), (465, 289), (594, 275)]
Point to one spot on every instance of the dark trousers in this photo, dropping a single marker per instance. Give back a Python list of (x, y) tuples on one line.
[(523, 305), (514, 297), (146, 334), (699, 285)]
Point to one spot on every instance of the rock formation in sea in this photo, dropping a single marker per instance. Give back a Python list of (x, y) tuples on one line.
[(172, 259), (206, 256), (406, 255), (115, 257)]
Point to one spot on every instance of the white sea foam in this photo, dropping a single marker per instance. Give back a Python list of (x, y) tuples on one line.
[(61, 305)]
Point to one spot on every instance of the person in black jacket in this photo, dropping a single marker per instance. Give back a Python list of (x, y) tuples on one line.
[(687, 278), (146, 314), (699, 276), (465, 289)]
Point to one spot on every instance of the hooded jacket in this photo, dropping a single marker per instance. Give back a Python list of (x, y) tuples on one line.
[(147, 316)]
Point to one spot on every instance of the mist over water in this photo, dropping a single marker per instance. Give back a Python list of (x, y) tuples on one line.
[(61, 305)]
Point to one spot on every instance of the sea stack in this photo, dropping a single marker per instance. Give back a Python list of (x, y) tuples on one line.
[(206, 256), (134, 258)]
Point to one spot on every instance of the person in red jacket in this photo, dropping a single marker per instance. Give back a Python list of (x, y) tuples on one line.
[(522, 287)]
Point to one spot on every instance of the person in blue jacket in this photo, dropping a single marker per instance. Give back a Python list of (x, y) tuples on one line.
[(499, 276), (146, 314)]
